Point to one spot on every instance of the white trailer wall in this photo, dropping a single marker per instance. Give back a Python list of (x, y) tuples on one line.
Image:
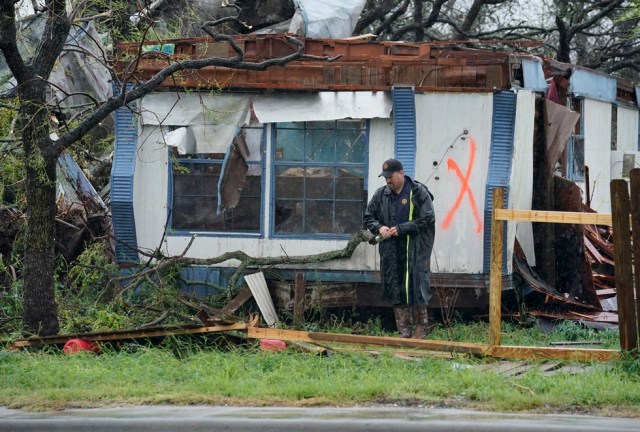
[(446, 160), (597, 153)]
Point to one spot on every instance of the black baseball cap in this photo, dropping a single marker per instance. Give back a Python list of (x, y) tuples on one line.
[(390, 166)]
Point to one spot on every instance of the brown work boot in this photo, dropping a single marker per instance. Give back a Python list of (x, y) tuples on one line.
[(404, 320), (421, 320)]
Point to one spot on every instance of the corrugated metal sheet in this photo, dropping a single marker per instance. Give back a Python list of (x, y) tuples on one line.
[(593, 85), (500, 160), (404, 127), (200, 281), (533, 75), (123, 219)]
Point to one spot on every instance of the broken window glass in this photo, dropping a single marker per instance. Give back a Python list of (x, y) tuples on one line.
[(319, 177), (220, 192)]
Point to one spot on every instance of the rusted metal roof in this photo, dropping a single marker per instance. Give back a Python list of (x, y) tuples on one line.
[(361, 64)]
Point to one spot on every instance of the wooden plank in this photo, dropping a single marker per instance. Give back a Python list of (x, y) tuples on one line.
[(544, 353), (122, 335), (620, 208), (635, 232), (316, 337), (298, 297), (235, 303), (593, 250), (495, 270), (552, 216), (606, 292)]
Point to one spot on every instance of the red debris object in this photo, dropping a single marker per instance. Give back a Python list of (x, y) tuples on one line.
[(74, 346), (272, 345)]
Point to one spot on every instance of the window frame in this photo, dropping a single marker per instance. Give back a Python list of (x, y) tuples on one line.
[(571, 143), (170, 231), (275, 163)]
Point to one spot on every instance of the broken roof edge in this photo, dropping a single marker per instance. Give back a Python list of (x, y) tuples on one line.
[(359, 64), (624, 90)]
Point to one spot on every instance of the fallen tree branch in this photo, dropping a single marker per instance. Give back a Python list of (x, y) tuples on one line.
[(245, 261)]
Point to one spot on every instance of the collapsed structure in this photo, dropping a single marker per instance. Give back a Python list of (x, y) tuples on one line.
[(282, 162)]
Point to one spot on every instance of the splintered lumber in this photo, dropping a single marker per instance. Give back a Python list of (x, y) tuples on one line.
[(393, 342), (124, 334), (235, 303), (552, 353), (552, 216)]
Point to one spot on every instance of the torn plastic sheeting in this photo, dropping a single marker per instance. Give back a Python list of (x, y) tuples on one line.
[(322, 106), (182, 139), (334, 19), (212, 120)]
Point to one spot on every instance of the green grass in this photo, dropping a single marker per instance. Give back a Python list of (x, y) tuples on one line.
[(183, 372)]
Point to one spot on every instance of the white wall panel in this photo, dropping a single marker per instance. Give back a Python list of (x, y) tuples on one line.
[(597, 152), (446, 162), (150, 187), (521, 181), (627, 138)]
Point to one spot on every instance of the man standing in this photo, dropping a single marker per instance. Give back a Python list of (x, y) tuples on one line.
[(402, 214)]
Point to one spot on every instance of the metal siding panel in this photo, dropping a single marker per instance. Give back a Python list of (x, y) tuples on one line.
[(404, 126), (533, 75), (500, 160), (123, 219), (593, 85), (198, 281)]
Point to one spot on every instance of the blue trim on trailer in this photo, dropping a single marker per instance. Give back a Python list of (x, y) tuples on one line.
[(122, 176), (500, 162), (404, 127)]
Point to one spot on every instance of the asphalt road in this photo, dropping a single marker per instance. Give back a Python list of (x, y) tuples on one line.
[(251, 419)]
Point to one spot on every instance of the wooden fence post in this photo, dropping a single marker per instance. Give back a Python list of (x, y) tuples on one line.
[(635, 231), (298, 297), (495, 269), (620, 209)]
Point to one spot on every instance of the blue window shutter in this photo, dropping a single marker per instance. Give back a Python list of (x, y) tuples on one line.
[(404, 127), (500, 161), (123, 219)]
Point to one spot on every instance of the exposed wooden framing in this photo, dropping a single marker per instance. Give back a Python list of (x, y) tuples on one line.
[(495, 270), (298, 297), (392, 342), (552, 216), (501, 214), (126, 334), (620, 206)]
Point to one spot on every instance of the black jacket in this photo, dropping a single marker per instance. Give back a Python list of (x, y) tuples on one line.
[(421, 232)]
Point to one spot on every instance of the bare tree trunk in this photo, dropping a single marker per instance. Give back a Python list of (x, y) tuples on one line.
[(40, 311)]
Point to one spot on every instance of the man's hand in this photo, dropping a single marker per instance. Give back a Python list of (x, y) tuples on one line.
[(387, 232)]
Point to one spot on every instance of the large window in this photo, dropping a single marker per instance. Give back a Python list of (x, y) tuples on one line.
[(219, 192), (319, 177)]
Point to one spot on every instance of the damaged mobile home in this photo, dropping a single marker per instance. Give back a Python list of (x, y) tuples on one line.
[(282, 162)]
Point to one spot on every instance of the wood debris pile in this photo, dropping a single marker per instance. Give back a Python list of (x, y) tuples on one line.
[(599, 253)]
